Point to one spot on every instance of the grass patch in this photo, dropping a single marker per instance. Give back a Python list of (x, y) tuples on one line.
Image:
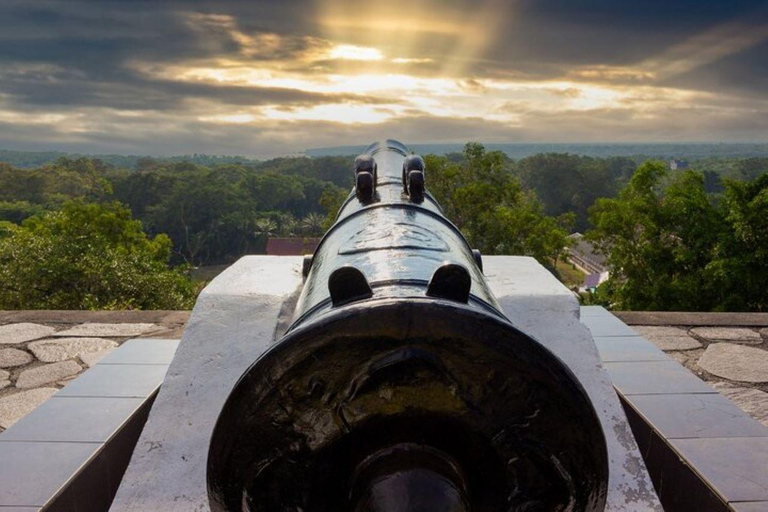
[(569, 275)]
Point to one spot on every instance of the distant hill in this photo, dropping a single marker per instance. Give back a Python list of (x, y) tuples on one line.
[(657, 150), (29, 159)]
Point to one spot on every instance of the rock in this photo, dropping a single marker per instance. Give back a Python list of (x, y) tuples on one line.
[(730, 334), (10, 357), (15, 407), (91, 358), (686, 358), (5, 379), (680, 357), (12, 334), (53, 350), (46, 374), (66, 381), (752, 401), (667, 338), (171, 333), (108, 330), (764, 332), (735, 362)]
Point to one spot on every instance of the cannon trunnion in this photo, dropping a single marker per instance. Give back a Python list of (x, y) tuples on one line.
[(400, 386)]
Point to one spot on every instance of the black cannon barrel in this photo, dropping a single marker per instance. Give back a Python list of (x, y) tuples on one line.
[(400, 386), (396, 243)]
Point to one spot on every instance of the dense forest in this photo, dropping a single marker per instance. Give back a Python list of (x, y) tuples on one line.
[(212, 214), (184, 212)]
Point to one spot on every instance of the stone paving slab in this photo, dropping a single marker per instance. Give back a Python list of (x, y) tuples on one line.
[(729, 334), (54, 350), (30, 338), (91, 358), (14, 407), (46, 374), (739, 378), (686, 358), (43, 316), (14, 334), (720, 319), (736, 362), (668, 338), (11, 357), (109, 330), (753, 401)]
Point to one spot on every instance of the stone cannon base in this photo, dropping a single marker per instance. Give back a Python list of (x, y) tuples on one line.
[(244, 310)]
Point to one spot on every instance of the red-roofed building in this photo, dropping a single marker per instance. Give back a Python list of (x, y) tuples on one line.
[(291, 246)]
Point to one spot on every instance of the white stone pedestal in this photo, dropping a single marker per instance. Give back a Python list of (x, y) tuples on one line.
[(542, 307), (234, 321)]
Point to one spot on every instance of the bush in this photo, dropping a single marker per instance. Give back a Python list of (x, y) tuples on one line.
[(88, 256), (675, 247)]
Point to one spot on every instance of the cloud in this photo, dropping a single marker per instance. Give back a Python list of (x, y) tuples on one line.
[(266, 77)]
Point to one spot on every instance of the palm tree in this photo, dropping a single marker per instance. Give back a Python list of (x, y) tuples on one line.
[(288, 225), (265, 228), (312, 224)]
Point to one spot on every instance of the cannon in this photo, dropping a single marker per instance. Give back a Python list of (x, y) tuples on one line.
[(400, 386)]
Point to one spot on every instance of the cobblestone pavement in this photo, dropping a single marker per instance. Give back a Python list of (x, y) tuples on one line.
[(733, 360), (42, 351)]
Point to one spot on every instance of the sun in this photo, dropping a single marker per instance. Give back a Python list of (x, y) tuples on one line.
[(352, 52)]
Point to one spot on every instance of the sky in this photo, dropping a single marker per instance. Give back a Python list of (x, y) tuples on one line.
[(268, 78)]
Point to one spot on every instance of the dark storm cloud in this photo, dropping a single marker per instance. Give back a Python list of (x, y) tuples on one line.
[(89, 49), (743, 74), (99, 38), (550, 38), (137, 93)]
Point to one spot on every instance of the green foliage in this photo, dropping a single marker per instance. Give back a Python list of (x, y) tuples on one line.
[(208, 216), (65, 179), (750, 168), (570, 183), (690, 249), (740, 259), (209, 213), (331, 200), (88, 256), (17, 211), (680, 248), (487, 202)]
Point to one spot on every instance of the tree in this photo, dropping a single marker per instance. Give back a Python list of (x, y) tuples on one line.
[(272, 191), (751, 168), (740, 258), (17, 211), (209, 217), (88, 256), (330, 201), (287, 225), (570, 183), (487, 202), (312, 224), (265, 228), (676, 247)]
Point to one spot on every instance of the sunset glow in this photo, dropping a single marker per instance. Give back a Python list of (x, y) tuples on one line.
[(492, 70), (352, 52)]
